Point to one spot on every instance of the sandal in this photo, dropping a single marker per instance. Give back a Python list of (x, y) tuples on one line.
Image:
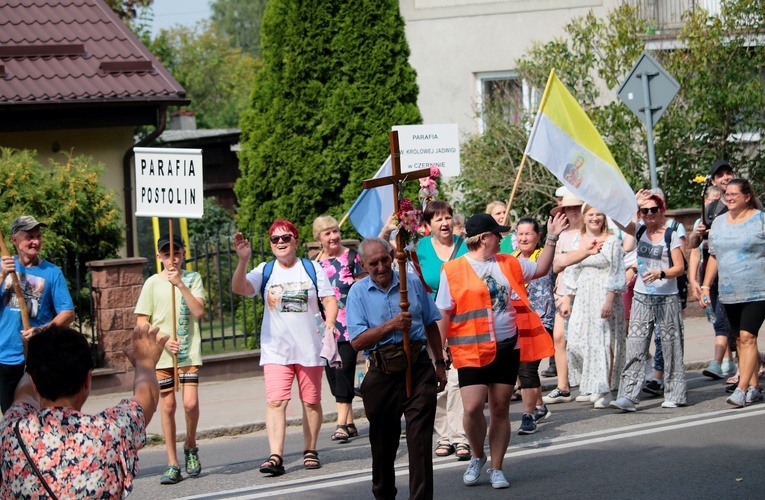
[(342, 433), (462, 451), (311, 459), (274, 465), (352, 430), (516, 394), (444, 450)]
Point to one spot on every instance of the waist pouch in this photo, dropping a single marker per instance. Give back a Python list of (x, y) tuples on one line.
[(391, 358)]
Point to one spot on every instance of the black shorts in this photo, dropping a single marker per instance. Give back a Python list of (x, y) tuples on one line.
[(747, 316), (503, 370)]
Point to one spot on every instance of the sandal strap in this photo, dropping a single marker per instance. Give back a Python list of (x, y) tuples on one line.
[(274, 462)]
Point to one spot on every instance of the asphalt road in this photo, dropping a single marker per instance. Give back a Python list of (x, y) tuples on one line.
[(704, 450)]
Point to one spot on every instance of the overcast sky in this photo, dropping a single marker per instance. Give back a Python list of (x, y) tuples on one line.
[(168, 13)]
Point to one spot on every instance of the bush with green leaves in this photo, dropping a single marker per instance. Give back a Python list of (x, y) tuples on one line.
[(335, 79)]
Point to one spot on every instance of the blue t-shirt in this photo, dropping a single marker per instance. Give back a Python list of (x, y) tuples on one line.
[(740, 253), (46, 295), (368, 306), (430, 263)]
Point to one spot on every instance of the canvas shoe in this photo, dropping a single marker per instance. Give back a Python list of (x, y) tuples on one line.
[(622, 404), (737, 399), (713, 371), (473, 472), (603, 400), (172, 475), (753, 395), (728, 368), (497, 479), (583, 397), (669, 404), (541, 413), (557, 396), (528, 425)]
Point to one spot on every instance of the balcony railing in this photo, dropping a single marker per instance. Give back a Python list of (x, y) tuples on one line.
[(668, 14)]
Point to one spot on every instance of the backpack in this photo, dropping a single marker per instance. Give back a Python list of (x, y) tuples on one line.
[(308, 266), (682, 280)]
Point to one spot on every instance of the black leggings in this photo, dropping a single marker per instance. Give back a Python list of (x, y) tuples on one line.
[(9, 379), (529, 372), (341, 379)]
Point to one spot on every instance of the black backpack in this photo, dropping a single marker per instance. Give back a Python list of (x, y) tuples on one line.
[(682, 280)]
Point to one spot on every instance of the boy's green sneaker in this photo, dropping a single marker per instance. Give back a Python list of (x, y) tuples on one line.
[(193, 466), (172, 475)]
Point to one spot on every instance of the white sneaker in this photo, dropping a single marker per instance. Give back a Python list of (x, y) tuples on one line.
[(737, 399), (473, 472), (753, 395), (497, 479), (603, 400), (669, 404), (583, 397), (623, 404)]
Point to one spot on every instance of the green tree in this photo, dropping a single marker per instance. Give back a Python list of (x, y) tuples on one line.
[(217, 77), (715, 115), (239, 20), (335, 79), (128, 9), (83, 218)]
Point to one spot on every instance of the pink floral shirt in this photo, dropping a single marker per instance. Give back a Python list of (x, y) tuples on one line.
[(79, 455), (341, 277)]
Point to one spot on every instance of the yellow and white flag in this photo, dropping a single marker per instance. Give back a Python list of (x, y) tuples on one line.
[(566, 142)]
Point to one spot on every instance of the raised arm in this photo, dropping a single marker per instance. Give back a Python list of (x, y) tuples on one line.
[(147, 348), (555, 226), (239, 283)]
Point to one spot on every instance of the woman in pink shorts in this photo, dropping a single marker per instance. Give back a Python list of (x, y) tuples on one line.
[(290, 344)]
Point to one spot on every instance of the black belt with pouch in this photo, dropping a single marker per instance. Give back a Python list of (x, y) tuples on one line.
[(391, 358)]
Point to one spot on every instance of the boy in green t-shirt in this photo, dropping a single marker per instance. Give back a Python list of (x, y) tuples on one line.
[(154, 308)]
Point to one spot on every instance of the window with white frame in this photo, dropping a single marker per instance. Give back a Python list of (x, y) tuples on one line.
[(505, 93)]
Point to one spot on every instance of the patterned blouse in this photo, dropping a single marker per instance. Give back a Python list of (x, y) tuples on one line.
[(79, 455), (341, 277)]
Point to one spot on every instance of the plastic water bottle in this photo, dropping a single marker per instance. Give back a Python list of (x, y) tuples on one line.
[(320, 325), (709, 310), (359, 378), (642, 269)]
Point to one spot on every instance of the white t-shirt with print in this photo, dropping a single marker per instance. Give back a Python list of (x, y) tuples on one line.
[(289, 332), (499, 288), (656, 258)]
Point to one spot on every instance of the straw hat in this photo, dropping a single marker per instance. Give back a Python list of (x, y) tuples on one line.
[(569, 200)]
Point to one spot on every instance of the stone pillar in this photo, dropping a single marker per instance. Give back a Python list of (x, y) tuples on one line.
[(116, 286)]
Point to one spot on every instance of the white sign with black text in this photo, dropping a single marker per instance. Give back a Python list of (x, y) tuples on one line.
[(168, 183), (424, 145)]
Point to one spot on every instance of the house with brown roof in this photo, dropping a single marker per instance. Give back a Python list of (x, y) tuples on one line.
[(73, 77)]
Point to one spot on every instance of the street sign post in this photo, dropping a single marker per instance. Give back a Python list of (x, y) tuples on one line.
[(647, 92)]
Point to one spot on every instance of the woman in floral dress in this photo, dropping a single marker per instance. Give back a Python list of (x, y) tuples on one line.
[(597, 325), (335, 258)]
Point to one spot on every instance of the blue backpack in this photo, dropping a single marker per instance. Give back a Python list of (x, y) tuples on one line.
[(308, 266)]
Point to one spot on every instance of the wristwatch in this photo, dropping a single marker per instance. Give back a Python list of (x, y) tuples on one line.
[(663, 275), (440, 362)]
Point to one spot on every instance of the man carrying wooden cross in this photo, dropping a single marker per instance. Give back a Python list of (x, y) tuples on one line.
[(376, 325), (45, 295)]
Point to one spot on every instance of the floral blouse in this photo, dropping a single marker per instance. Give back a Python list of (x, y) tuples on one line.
[(79, 455), (341, 277)]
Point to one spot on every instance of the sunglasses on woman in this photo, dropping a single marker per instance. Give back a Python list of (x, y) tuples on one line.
[(286, 238), (653, 210)]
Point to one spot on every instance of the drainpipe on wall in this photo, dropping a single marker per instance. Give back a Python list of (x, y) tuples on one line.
[(127, 179)]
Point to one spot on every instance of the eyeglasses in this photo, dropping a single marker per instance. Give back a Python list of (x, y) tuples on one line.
[(286, 238), (653, 210), (732, 195)]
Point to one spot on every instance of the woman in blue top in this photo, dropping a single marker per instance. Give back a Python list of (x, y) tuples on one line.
[(737, 253), (432, 251)]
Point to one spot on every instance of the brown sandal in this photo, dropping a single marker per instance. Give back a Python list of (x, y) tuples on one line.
[(311, 459), (462, 451), (444, 450)]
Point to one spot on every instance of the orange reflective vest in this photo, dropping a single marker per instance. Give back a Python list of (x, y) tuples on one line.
[(471, 336)]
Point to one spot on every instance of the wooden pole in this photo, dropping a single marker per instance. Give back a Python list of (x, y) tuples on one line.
[(401, 259), (16, 287), (515, 186), (172, 305)]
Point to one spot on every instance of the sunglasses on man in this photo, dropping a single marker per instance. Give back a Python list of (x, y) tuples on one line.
[(286, 238)]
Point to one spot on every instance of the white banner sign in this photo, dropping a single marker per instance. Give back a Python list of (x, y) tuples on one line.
[(424, 145), (168, 183)]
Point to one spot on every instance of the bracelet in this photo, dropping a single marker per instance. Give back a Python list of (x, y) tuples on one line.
[(550, 242), (552, 237), (633, 269), (704, 287), (440, 362)]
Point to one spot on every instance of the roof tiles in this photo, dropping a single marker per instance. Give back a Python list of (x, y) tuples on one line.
[(76, 78)]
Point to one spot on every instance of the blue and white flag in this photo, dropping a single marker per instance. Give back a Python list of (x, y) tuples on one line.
[(372, 208)]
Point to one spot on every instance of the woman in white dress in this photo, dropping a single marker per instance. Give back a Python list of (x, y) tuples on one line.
[(597, 329)]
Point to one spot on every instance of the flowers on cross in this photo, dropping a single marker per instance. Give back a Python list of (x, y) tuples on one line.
[(408, 216)]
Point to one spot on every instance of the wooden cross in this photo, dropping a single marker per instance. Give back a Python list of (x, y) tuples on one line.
[(397, 179)]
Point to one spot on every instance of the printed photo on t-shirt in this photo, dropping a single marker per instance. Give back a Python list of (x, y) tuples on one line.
[(32, 288), (497, 292), (288, 297)]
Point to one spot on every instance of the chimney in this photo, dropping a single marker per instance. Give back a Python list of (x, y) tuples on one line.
[(183, 119)]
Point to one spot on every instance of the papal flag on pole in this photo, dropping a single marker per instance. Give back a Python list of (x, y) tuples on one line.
[(565, 141)]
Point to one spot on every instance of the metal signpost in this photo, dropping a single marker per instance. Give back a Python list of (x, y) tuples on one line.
[(647, 91)]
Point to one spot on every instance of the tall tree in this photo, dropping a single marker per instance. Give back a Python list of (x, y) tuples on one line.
[(240, 21), (128, 9), (335, 79), (217, 77)]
